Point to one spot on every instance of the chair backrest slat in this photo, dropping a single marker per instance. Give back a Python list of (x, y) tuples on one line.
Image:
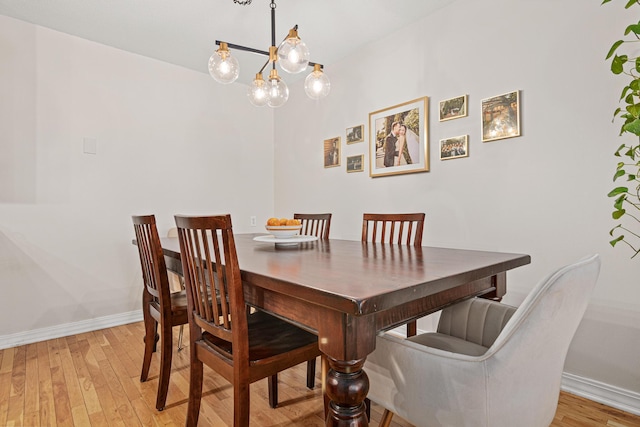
[(154, 269), (212, 274), (393, 228), (315, 224)]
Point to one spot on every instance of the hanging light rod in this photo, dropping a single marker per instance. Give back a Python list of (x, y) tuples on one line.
[(293, 57)]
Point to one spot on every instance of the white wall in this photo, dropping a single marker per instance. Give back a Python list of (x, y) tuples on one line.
[(169, 140), (543, 193)]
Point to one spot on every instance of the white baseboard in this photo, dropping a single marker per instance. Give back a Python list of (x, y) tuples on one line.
[(43, 334), (609, 395), (619, 398)]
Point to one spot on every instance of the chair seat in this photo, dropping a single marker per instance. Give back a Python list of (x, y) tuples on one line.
[(263, 327), (179, 301), (449, 343)]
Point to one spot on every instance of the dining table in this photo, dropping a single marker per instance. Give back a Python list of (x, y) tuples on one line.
[(347, 292)]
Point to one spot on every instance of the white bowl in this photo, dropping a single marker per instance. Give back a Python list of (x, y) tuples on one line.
[(283, 231)]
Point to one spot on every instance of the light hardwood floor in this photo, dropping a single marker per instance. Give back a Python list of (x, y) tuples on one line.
[(92, 379)]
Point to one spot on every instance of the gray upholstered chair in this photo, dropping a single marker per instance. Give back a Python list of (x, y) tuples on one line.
[(488, 364)]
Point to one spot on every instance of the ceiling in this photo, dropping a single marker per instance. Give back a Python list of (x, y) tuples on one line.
[(183, 32)]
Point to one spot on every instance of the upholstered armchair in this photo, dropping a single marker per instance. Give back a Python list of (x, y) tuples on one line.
[(488, 364)]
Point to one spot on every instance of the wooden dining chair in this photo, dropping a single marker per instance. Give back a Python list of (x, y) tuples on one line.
[(401, 228), (315, 224), (241, 344), (159, 305), (393, 228)]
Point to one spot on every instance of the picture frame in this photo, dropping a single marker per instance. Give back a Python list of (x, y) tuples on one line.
[(385, 156), (355, 163), (332, 152), (453, 108), (355, 134), (454, 147), (501, 116)]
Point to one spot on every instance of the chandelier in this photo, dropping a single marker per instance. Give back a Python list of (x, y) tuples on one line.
[(293, 57)]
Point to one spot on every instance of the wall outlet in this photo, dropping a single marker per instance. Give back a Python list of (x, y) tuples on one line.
[(252, 221)]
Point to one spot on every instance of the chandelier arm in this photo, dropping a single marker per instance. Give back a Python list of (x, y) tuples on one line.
[(259, 52)]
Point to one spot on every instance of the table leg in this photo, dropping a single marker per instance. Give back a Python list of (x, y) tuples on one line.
[(347, 386)]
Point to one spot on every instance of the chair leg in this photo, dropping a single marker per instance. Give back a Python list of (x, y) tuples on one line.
[(324, 370), (311, 374), (180, 334), (367, 409), (241, 404), (150, 327), (412, 329), (195, 390), (165, 364), (273, 390), (385, 420)]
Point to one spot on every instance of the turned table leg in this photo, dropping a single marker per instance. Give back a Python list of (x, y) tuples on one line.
[(347, 386)]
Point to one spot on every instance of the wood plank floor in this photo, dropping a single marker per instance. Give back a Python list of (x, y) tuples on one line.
[(92, 379)]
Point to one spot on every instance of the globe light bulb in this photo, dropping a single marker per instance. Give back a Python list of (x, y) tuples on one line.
[(293, 54), (257, 92), (277, 90), (223, 67), (317, 84)]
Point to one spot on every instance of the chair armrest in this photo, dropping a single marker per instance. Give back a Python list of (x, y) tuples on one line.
[(476, 320)]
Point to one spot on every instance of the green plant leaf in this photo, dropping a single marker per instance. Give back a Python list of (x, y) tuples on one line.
[(633, 28), (630, 3), (604, 1), (617, 214), (617, 65), (616, 240), (633, 127), (617, 191), (637, 67), (635, 84), (618, 174), (618, 152), (634, 110), (624, 92), (615, 46), (628, 100), (619, 201)]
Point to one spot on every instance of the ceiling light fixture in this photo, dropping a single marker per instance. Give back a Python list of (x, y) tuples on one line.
[(293, 57)]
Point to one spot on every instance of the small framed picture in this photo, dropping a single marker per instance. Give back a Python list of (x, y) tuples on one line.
[(453, 108), (332, 152), (398, 139), (453, 148), (355, 134), (501, 116), (355, 163)]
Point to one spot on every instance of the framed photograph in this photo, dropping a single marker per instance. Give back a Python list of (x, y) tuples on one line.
[(501, 116), (355, 163), (398, 139), (453, 148), (332, 152), (453, 108), (355, 134)]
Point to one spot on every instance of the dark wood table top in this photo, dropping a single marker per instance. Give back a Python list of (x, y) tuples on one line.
[(360, 278)]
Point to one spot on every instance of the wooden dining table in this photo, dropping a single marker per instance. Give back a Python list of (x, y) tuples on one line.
[(346, 292)]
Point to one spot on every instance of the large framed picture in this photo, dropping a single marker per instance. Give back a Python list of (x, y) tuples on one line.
[(332, 152), (453, 108), (501, 116), (398, 139), (453, 148), (355, 134), (355, 163)]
